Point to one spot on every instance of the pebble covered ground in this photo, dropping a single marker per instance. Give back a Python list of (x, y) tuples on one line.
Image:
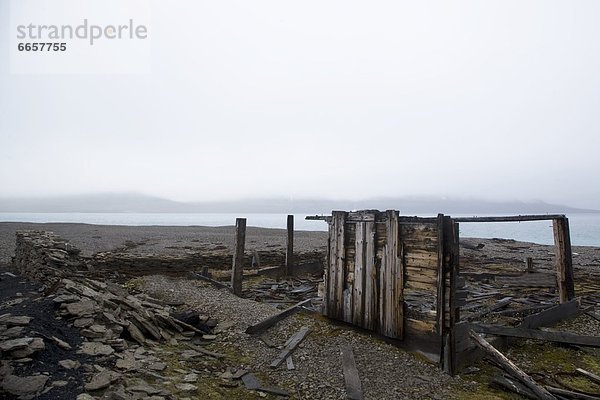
[(386, 371)]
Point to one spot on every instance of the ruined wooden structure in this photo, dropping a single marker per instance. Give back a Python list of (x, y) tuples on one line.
[(395, 275), (399, 276)]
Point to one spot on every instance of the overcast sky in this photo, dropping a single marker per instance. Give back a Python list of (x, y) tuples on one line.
[(336, 99)]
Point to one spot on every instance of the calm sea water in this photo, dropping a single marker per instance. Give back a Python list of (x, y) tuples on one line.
[(585, 228)]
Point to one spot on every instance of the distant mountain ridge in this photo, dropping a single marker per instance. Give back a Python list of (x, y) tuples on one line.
[(135, 203)]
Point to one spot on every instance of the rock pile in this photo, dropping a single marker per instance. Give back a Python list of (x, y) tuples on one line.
[(120, 333), (16, 348), (107, 315)]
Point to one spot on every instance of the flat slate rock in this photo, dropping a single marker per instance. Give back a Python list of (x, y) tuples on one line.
[(25, 387), (96, 349), (11, 320)]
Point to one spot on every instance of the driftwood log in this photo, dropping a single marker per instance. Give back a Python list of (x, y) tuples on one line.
[(511, 368)]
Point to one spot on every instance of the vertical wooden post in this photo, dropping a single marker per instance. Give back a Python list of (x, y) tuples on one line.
[(529, 263), (238, 256), (451, 261), (564, 259), (289, 253), (441, 288), (370, 293), (335, 265)]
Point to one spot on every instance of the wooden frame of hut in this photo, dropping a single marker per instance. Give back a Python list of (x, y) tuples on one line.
[(398, 275)]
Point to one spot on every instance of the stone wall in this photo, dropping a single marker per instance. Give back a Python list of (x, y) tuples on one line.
[(45, 256), (40, 255)]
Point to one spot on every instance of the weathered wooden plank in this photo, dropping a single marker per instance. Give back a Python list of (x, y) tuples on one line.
[(569, 394), (558, 337), (351, 376), (421, 255), (513, 386), (512, 368), (419, 230), (511, 218), (411, 284), (383, 290), (370, 292), (340, 273), (395, 248), (269, 322), (293, 342), (496, 306), (412, 272), (329, 303), (417, 276), (421, 263), (552, 315), (238, 256), (361, 216), (564, 261), (536, 279), (358, 298), (348, 304), (392, 281)]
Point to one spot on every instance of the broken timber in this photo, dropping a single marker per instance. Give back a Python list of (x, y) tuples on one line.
[(267, 323), (552, 315), (514, 386), (500, 304), (217, 284), (289, 348), (351, 377), (252, 383), (558, 337), (590, 375), (570, 394), (508, 365)]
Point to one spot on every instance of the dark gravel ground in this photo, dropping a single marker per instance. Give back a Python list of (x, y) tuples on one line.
[(44, 325)]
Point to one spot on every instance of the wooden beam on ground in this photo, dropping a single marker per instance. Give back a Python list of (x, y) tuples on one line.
[(570, 394), (558, 337), (510, 367), (500, 304), (511, 218), (351, 377), (289, 251), (238, 256), (514, 386), (552, 315), (590, 375), (251, 382), (293, 342), (220, 285), (269, 322), (564, 259), (594, 314)]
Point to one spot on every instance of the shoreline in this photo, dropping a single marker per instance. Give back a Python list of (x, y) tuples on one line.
[(178, 240)]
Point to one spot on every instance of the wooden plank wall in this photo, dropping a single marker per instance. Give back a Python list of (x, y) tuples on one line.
[(375, 258)]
